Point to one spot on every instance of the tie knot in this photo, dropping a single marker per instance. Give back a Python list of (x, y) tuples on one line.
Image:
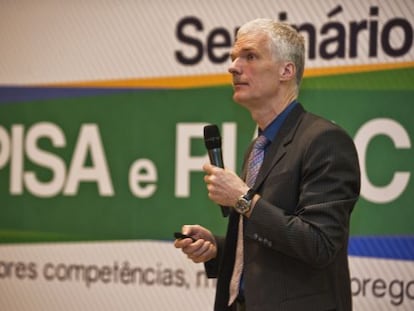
[(260, 142)]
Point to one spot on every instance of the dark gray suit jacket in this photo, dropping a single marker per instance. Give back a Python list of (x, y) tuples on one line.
[(296, 240)]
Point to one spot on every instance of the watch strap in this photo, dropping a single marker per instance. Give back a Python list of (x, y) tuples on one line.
[(250, 194)]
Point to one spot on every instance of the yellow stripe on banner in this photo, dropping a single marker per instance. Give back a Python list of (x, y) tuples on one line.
[(328, 71), (177, 82), (180, 82)]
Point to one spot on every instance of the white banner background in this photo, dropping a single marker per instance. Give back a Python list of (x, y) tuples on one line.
[(165, 279)]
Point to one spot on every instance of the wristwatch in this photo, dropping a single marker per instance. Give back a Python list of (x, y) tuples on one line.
[(244, 203)]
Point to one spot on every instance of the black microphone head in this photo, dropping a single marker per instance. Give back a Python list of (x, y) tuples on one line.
[(212, 138)]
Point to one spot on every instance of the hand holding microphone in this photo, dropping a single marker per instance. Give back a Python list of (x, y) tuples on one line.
[(212, 140)]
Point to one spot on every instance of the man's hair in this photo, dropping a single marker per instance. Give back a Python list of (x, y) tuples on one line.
[(286, 43)]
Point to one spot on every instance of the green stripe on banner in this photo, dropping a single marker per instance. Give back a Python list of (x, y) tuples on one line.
[(123, 128)]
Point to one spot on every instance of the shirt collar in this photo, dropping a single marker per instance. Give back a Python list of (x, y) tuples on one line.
[(273, 128)]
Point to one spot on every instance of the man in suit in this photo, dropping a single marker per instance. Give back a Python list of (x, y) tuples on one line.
[(295, 215)]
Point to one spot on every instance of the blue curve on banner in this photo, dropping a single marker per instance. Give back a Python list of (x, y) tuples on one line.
[(387, 247), (17, 94)]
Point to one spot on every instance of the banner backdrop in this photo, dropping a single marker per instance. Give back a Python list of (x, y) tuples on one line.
[(102, 109)]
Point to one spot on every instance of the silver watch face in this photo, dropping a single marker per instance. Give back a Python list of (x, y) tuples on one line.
[(243, 205)]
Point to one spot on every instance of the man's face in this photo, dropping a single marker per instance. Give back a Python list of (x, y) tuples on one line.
[(255, 72)]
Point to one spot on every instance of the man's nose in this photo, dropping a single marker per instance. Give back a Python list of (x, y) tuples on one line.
[(234, 67)]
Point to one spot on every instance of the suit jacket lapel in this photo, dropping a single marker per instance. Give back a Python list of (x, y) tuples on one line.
[(277, 149)]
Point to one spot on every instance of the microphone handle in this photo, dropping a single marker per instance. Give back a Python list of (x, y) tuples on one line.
[(216, 159)]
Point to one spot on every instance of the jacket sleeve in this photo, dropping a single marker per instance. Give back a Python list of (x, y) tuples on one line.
[(212, 266), (307, 216)]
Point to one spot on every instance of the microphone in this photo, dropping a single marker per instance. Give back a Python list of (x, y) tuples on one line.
[(212, 140)]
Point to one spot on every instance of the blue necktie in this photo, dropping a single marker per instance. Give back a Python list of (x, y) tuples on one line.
[(253, 166), (256, 159)]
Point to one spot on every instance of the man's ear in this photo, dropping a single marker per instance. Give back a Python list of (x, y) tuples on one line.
[(287, 71)]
